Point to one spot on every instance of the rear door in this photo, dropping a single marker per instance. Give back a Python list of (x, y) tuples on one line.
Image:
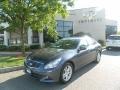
[(92, 48)]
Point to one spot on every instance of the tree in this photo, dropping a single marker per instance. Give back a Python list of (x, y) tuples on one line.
[(118, 32), (20, 14)]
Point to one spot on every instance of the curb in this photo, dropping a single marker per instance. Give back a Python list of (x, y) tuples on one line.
[(10, 69), (12, 53)]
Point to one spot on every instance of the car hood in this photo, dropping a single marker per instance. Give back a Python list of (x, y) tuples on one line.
[(48, 54)]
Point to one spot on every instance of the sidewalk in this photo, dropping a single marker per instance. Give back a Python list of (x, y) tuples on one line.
[(12, 53)]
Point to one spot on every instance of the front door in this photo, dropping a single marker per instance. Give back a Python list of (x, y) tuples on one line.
[(83, 54)]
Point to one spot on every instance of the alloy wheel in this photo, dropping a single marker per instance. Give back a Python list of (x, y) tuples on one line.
[(98, 57), (67, 72)]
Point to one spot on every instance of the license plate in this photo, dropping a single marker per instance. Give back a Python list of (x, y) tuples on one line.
[(28, 70)]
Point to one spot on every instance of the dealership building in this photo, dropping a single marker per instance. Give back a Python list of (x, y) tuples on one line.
[(87, 20)]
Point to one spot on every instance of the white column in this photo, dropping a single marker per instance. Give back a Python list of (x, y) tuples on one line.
[(40, 38), (5, 38), (29, 36)]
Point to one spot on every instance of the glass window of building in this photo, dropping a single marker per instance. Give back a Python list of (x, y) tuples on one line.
[(67, 23), (35, 37), (1, 40), (64, 28), (110, 30), (60, 23)]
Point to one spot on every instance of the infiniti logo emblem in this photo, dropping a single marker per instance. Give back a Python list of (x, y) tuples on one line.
[(30, 64)]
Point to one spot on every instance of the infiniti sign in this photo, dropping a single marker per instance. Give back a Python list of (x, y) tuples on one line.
[(30, 64)]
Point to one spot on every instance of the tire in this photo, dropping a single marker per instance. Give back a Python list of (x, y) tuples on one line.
[(98, 57), (66, 73), (108, 48)]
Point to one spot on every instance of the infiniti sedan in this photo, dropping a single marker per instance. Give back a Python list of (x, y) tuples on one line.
[(59, 61)]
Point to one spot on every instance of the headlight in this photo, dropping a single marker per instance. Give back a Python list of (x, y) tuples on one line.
[(28, 58), (52, 64)]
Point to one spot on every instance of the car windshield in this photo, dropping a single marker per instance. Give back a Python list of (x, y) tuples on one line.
[(114, 37), (66, 44)]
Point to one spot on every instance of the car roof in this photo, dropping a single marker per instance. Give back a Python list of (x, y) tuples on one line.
[(76, 37)]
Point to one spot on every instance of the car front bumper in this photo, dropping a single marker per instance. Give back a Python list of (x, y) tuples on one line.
[(43, 75)]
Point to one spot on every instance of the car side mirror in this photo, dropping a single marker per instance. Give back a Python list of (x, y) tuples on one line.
[(82, 47)]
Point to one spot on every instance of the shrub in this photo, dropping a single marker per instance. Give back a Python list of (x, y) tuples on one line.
[(34, 46), (101, 42), (82, 34), (27, 48), (47, 44), (3, 47), (18, 48), (14, 48)]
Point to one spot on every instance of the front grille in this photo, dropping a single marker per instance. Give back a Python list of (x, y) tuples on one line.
[(31, 63), (37, 75)]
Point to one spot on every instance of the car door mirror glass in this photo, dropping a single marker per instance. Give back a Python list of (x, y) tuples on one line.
[(83, 47)]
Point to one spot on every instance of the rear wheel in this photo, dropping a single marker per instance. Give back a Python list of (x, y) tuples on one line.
[(66, 73), (98, 57), (107, 48)]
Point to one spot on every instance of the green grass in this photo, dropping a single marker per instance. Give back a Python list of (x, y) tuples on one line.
[(10, 61)]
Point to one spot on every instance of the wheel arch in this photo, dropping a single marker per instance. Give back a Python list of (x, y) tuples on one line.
[(71, 62)]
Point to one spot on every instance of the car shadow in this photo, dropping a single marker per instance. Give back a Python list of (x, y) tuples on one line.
[(24, 82), (112, 52)]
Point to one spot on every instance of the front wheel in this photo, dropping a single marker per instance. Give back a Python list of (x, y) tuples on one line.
[(66, 73)]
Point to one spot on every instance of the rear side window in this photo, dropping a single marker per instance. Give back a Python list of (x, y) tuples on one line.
[(83, 42), (90, 41), (114, 37)]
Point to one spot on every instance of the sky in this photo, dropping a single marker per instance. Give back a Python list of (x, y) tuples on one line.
[(112, 7)]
